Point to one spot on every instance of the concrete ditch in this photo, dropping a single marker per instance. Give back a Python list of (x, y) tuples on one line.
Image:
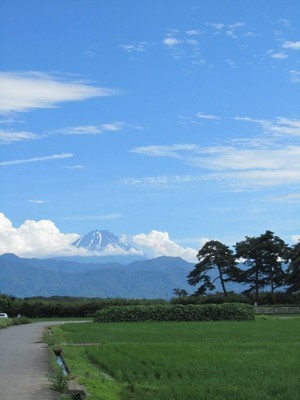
[(74, 389)]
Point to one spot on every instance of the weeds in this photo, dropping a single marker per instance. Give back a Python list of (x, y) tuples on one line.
[(58, 380)]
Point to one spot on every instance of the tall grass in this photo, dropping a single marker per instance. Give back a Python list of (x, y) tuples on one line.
[(186, 361)]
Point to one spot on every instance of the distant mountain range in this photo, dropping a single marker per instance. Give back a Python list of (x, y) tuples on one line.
[(145, 279), (155, 278)]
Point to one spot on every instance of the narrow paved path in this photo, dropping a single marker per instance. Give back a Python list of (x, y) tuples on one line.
[(24, 363)]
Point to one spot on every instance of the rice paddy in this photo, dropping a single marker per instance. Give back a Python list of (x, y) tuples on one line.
[(185, 361)]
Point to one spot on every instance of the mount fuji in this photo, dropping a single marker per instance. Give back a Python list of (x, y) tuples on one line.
[(106, 244)]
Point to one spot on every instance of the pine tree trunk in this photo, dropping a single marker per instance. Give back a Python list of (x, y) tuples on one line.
[(273, 291), (256, 286), (222, 282)]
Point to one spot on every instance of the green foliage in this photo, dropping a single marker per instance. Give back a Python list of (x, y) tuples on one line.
[(191, 312), (58, 380), (264, 258), (293, 275), (5, 322), (217, 256), (20, 320), (215, 298), (265, 298)]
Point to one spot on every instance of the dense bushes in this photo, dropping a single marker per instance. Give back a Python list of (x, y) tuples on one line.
[(265, 298), (191, 312)]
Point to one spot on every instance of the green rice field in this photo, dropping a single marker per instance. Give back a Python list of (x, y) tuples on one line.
[(257, 360)]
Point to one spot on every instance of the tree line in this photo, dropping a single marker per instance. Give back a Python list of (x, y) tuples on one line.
[(260, 263), (63, 306)]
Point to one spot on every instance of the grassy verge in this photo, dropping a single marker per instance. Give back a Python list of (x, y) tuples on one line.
[(201, 361), (67, 319), (5, 322)]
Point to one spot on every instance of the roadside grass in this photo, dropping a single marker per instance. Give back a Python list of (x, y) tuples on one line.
[(67, 319), (6, 322), (203, 361)]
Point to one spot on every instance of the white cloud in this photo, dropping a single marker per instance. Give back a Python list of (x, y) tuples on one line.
[(36, 159), (135, 47), (157, 243), (206, 116), (229, 29), (239, 159), (231, 63), (192, 42), (256, 179), (193, 32), (91, 51), (172, 151), (115, 126), (116, 251), (78, 166), (236, 25), (295, 76), (296, 238), (250, 34), (291, 45), (35, 238), (80, 130), (278, 55), (281, 126), (161, 181), (31, 90), (7, 136), (158, 181), (37, 201), (269, 160), (171, 41), (89, 129), (216, 26), (231, 33)]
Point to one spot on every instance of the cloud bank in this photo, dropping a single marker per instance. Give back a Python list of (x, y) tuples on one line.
[(43, 239), (34, 239), (157, 243)]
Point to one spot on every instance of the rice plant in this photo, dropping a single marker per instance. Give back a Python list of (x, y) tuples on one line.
[(211, 360)]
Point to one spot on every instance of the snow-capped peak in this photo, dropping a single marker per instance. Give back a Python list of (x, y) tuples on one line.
[(100, 241)]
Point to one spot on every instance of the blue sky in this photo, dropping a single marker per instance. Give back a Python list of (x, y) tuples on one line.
[(170, 122)]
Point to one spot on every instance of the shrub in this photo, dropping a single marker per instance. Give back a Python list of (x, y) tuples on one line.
[(179, 312), (20, 321)]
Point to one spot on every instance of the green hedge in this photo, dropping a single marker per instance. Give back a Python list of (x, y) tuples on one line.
[(191, 312)]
